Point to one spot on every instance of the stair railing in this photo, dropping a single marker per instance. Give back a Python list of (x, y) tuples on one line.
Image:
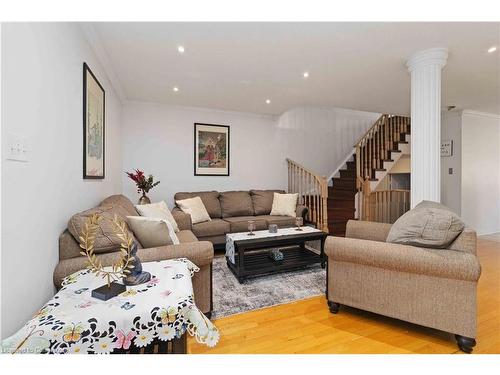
[(371, 150), (313, 193), (386, 206)]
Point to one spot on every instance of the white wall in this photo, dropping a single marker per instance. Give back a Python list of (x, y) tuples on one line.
[(159, 140), (42, 100), (451, 185), (480, 199), (321, 138)]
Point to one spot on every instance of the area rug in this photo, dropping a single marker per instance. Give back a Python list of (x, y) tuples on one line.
[(231, 297)]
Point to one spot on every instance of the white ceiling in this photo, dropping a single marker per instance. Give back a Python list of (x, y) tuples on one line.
[(237, 66)]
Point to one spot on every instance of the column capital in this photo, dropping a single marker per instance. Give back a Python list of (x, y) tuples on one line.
[(433, 56)]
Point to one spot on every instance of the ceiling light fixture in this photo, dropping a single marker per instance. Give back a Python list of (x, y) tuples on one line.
[(181, 49), (268, 101), (492, 49), (175, 88), (306, 74)]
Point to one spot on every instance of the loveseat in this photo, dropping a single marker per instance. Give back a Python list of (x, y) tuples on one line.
[(199, 252), (431, 287), (230, 212)]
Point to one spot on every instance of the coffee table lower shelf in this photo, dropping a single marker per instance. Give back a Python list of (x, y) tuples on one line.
[(257, 262)]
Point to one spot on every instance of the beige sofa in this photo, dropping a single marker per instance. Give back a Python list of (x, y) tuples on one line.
[(230, 212), (431, 287), (199, 252)]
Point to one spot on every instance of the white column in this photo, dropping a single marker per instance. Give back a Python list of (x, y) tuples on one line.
[(425, 69)]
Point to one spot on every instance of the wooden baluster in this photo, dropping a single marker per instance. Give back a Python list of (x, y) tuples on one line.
[(358, 161), (320, 211), (387, 137), (380, 145), (318, 204), (325, 205), (315, 212), (387, 207), (289, 178), (379, 142), (301, 176), (306, 195), (365, 160), (399, 128), (369, 141), (383, 141), (391, 133), (294, 178), (311, 192), (375, 147)]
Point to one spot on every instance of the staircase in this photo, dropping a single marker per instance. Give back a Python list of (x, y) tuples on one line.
[(354, 194), (341, 199)]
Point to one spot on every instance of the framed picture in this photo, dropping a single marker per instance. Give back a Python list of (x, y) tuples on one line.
[(211, 150), (446, 148), (93, 125)]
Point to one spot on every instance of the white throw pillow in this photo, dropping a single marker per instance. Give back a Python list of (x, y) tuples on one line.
[(152, 232), (159, 210), (195, 208), (284, 205)]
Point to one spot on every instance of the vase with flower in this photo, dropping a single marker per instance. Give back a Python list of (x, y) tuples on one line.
[(144, 184)]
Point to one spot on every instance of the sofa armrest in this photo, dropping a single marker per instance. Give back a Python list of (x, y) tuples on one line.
[(200, 253), (403, 258), (301, 211), (367, 230), (182, 219)]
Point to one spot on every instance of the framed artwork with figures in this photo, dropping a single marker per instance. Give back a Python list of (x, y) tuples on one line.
[(93, 125), (211, 150)]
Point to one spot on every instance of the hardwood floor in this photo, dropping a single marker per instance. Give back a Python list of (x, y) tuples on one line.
[(308, 327)]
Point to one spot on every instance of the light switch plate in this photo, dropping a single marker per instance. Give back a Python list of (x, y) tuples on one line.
[(17, 148), (450, 170)]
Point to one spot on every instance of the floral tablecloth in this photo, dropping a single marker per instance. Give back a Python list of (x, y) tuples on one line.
[(74, 322), (231, 237)]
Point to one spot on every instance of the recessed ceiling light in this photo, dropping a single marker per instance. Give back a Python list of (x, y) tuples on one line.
[(306, 74), (175, 88), (268, 101), (180, 49), (492, 49)]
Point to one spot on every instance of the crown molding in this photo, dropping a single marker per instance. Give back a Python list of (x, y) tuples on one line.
[(103, 58), (198, 109), (480, 114)]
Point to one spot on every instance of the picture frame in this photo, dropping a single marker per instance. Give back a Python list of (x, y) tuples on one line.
[(211, 150), (94, 111)]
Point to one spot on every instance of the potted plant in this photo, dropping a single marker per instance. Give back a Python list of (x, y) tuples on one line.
[(143, 184)]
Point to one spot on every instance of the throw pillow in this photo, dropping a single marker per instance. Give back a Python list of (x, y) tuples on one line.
[(106, 239), (429, 224), (195, 208), (159, 210), (152, 231), (284, 204)]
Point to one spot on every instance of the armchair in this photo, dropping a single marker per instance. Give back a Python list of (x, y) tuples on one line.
[(431, 287)]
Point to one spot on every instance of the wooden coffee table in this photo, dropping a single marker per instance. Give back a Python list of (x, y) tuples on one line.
[(251, 252)]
